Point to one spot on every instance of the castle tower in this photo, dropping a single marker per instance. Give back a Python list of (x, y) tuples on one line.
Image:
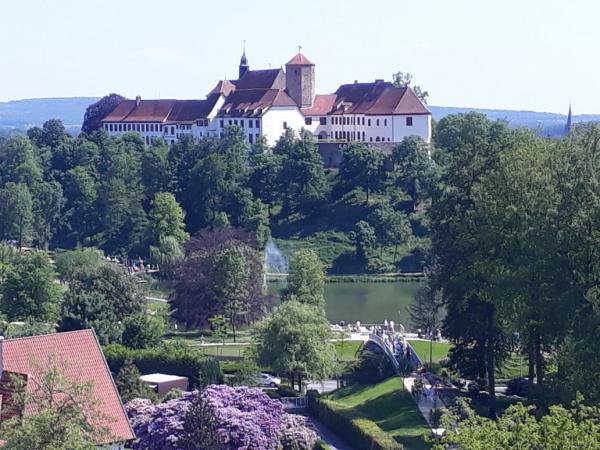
[(300, 80), (244, 67)]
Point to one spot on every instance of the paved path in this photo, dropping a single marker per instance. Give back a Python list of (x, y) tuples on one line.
[(156, 299), (332, 439), (426, 403)]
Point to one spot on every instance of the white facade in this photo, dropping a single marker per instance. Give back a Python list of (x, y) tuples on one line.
[(277, 119), (368, 128)]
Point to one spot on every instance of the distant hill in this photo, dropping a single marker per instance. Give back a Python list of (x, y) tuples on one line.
[(19, 115)]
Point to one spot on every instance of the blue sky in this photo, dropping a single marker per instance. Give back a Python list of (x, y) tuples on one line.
[(518, 54)]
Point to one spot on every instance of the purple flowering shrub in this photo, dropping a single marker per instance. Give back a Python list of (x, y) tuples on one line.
[(242, 418)]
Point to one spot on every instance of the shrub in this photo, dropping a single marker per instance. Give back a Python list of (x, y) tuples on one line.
[(371, 367), (170, 359), (360, 432), (130, 386), (142, 331)]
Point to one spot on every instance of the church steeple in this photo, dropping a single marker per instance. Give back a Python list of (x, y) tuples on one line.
[(244, 67), (569, 124)]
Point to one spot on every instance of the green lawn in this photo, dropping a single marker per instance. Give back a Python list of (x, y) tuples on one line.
[(514, 366), (347, 350), (440, 350), (391, 407)]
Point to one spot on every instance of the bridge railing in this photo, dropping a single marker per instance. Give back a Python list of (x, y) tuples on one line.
[(294, 402), (380, 342)]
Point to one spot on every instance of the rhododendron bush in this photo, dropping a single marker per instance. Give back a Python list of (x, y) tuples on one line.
[(218, 417)]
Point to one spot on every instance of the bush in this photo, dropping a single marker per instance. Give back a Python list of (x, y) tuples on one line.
[(360, 432), (69, 262), (286, 391), (517, 386), (371, 367), (172, 359), (142, 331)]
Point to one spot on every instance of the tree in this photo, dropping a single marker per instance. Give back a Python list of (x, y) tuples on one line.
[(98, 111), (111, 282), (66, 414), (232, 282), (167, 255), (302, 182), (391, 227), (68, 263), (28, 290), (306, 279), (130, 385), (90, 309), (364, 239), (200, 426), (294, 340), (48, 203), (427, 313), (361, 166), (518, 428), (416, 170), (16, 213), (166, 218), (404, 80), (142, 331), (470, 146), (201, 279)]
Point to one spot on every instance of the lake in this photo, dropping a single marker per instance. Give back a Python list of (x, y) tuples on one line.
[(367, 302)]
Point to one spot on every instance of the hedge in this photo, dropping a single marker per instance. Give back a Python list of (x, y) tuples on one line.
[(186, 361), (359, 432)]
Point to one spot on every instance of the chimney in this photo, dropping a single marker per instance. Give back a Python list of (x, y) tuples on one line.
[(138, 99), (378, 80), (355, 81)]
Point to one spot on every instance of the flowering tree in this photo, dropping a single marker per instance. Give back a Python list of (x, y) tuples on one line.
[(236, 418)]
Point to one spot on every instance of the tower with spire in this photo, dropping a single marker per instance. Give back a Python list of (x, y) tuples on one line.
[(244, 67), (569, 124)]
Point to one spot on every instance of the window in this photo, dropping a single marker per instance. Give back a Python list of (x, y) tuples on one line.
[(172, 130), (230, 121), (369, 122), (385, 122), (377, 122), (235, 122), (257, 124), (323, 120), (285, 125), (308, 121), (409, 122), (377, 139), (371, 139), (257, 136), (363, 135), (250, 138), (221, 123), (242, 123), (363, 121)]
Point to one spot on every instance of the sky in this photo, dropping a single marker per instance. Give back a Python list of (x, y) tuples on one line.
[(514, 54)]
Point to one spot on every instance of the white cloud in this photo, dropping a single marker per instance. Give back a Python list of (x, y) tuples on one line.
[(160, 54)]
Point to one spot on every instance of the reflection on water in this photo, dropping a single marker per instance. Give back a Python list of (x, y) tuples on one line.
[(367, 302)]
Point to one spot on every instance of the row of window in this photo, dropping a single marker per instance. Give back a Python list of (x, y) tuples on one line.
[(141, 127), (251, 123), (356, 136), (353, 120)]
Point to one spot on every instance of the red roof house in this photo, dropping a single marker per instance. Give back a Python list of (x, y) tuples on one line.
[(79, 357)]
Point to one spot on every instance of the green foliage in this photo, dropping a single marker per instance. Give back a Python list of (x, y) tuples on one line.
[(371, 367), (28, 289), (364, 239), (172, 359), (361, 166), (416, 171), (402, 80), (16, 213), (167, 255), (129, 384), (142, 331), (518, 427), (28, 328), (306, 279), (69, 262), (166, 218), (294, 340), (361, 432), (246, 375), (66, 414)]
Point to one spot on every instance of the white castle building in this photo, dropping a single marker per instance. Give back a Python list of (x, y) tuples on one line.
[(266, 102)]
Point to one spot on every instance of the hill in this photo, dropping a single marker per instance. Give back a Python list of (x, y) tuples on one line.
[(19, 115)]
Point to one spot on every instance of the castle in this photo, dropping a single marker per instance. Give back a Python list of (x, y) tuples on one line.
[(267, 102)]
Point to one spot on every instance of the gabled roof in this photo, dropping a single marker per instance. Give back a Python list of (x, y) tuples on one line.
[(223, 87), (261, 79), (253, 102), (378, 98), (162, 110), (299, 60), (79, 357), (322, 105)]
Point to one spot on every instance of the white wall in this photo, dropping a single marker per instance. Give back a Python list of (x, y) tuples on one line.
[(274, 118), (421, 127)]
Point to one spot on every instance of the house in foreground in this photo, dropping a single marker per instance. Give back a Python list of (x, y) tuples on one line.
[(79, 357)]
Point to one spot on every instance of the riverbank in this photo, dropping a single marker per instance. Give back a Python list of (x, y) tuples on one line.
[(398, 277)]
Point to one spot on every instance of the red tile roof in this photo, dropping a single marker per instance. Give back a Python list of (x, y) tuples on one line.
[(162, 110), (299, 60), (79, 356), (223, 87), (322, 105)]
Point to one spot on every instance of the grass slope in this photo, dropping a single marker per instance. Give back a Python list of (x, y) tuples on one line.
[(391, 407), (440, 350)]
